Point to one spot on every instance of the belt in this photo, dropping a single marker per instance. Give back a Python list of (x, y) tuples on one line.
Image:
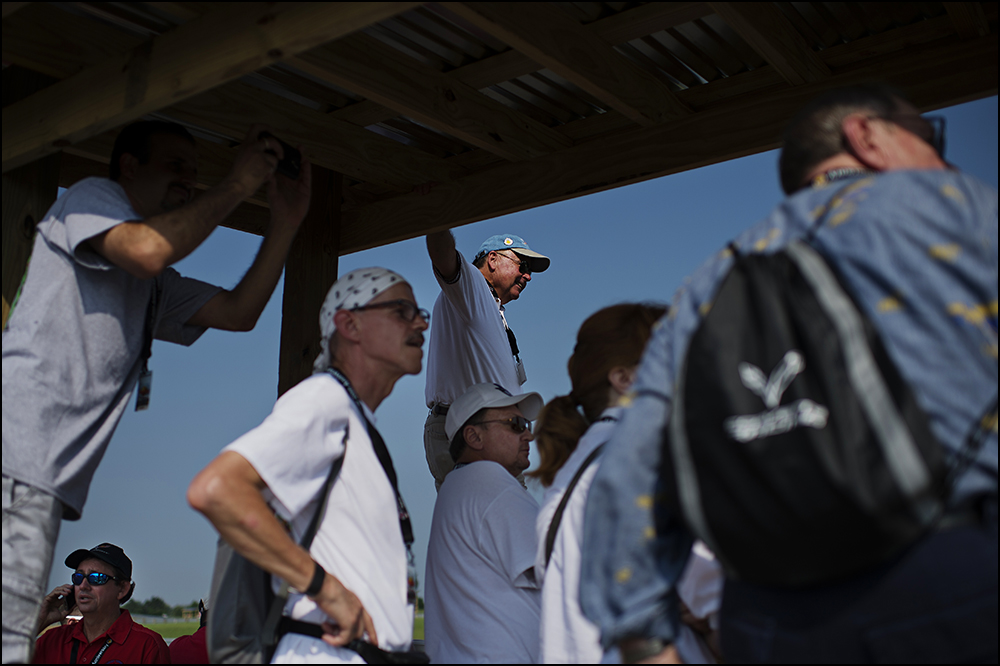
[(372, 654), (439, 409)]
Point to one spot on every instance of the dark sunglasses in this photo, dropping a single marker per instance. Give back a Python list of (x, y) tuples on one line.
[(523, 264), (92, 578), (407, 310), (516, 423), (928, 128)]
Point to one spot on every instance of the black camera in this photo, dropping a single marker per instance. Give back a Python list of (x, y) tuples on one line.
[(291, 165)]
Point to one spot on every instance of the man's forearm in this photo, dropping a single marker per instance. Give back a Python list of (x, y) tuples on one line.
[(441, 249), (239, 309)]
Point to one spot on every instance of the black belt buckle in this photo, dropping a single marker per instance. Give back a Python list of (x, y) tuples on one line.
[(440, 409)]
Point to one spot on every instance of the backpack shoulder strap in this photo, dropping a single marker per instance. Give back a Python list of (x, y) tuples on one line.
[(550, 539)]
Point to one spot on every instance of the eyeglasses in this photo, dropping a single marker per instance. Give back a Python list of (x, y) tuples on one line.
[(407, 310), (523, 264), (928, 128), (516, 423), (94, 578)]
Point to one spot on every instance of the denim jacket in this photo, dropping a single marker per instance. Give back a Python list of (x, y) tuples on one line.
[(918, 252)]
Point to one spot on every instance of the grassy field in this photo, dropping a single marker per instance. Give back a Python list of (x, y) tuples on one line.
[(175, 629)]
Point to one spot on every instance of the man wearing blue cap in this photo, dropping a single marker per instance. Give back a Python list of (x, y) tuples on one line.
[(470, 342)]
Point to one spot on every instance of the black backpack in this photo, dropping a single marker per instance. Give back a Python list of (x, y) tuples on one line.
[(795, 449)]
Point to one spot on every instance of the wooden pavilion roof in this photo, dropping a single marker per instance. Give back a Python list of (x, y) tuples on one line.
[(501, 106)]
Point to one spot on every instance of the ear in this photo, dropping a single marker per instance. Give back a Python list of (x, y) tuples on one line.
[(621, 378), (473, 438), (865, 139), (128, 164), (347, 325)]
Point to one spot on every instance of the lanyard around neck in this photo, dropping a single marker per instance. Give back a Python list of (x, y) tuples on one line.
[(382, 453), (76, 649)]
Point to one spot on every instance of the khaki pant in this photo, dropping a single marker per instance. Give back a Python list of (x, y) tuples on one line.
[(31, 520)]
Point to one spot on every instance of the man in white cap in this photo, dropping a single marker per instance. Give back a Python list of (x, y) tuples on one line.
[(353, 581), (471, 341), (482, 603)]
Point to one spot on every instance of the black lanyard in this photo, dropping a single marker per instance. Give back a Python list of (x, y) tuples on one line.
[(76, 648), (382, 453)]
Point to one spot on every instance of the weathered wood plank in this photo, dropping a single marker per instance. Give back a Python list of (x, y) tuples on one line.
[(369, 68), (933, 76), (310, 270), (774, 37), (968, 18), (197, 56), (330, 143), (554, 40)]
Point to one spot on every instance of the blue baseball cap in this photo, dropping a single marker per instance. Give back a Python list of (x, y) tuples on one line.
[(539, 262)]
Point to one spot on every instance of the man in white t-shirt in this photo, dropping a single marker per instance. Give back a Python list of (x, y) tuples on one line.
[(353, 579), (471, 341), (482, 603)]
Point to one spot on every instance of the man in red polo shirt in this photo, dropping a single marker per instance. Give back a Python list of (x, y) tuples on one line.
[(102, 582)]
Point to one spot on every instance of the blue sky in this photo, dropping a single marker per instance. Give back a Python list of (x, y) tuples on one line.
[(634, 243)]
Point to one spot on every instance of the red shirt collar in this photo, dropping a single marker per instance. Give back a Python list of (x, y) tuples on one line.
[(118, 631)]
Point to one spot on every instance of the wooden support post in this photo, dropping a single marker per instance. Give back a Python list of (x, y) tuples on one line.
[(27, 191), (309, 272)]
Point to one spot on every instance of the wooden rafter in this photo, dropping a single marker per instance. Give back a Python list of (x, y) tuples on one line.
[(331, 143), (769, 33), (369, 68), (968, 18), (748, 125), (553, 40), (197, 56)]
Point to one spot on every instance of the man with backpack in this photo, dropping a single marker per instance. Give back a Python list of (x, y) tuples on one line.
[(311, 496), (820, 408)]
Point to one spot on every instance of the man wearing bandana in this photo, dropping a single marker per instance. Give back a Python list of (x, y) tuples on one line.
[(471, 342), (352, 582)]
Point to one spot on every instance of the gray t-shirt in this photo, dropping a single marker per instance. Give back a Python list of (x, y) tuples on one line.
[(72, 347)]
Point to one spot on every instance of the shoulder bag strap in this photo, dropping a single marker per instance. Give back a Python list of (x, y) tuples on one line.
[(269, 632), (550, 539)]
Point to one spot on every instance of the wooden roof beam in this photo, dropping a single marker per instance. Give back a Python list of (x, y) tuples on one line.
[(772, 35), (933, 77), (969, 19), (348, 149), (366, 66), (190, 59), (9, 8), (554, 40)]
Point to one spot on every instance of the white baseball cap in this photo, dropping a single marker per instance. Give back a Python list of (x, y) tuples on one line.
[(488, 396)]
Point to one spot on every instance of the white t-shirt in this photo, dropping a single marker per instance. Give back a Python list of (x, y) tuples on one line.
[(481, 600), (567, 637), (468, 343), (359, 539)]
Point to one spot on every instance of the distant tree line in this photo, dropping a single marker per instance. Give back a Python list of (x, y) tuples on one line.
[(157, 606)]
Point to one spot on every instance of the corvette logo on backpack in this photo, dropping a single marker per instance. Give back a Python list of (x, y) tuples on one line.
[(820, 469)]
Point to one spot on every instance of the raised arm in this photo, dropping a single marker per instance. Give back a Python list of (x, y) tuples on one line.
[(228, 493), (145, 247), (441, 248), (239, 309)]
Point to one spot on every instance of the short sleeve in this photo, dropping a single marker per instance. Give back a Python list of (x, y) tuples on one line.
[(293, 449), (89, 208), (180, 298), (508, 536), (469, 294)]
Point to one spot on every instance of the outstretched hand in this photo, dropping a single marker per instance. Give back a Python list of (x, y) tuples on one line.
[(348, 618), (289, 199)]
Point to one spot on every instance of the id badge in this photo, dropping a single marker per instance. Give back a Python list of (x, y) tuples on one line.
[(521, 376), (143, 390)]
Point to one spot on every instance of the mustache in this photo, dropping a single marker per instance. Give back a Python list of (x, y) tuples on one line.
[(416, 339)]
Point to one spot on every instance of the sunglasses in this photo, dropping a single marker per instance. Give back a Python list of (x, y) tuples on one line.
[(523, 264), (928, 128), (516, 423), (407, 310), (92, 578)]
